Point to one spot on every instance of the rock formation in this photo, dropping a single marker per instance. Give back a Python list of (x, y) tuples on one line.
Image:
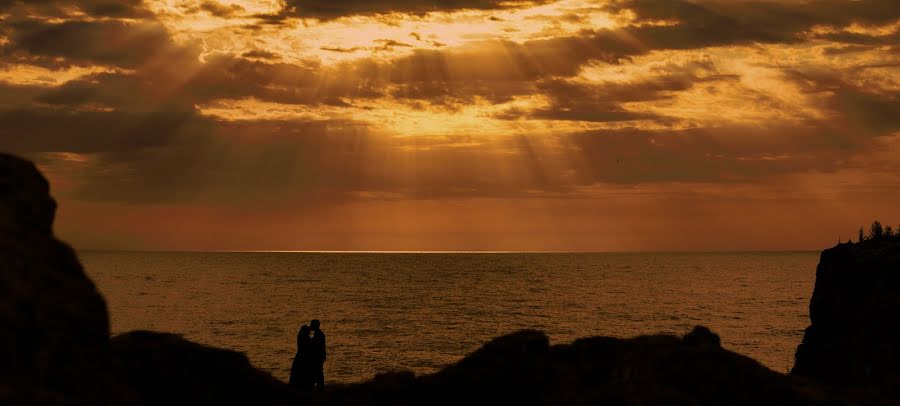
[(165, 369), (524, 369), (54, 329), (854, 338), (55, 343)]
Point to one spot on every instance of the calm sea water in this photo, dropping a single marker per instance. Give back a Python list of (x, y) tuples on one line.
[(384, 312)]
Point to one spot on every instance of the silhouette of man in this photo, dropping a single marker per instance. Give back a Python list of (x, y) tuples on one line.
[(317, 347)]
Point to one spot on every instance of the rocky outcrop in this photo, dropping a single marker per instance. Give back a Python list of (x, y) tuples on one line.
[(54, 329), (524, 369), (165, 369), (55, 346), (26, 207), (854, 336)]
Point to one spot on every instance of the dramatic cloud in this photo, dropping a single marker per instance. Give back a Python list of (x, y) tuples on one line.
[(718, 22), (111, 43), (601, 102), (334, 9), (47, 130), (683, 25), (216, 9), (440, 114), (96, 8)]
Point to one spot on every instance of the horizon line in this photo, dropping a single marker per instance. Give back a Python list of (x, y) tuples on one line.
[(446, 251)]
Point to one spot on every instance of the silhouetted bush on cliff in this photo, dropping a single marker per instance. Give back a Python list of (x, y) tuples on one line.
[(877, 232)]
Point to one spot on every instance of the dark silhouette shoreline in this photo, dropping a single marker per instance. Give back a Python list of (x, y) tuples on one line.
[(56, 338)]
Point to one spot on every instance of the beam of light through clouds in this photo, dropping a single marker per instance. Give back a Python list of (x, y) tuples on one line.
[(457, 125)]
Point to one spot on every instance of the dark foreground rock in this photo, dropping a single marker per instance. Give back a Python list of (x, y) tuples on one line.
[(55, 346), (54, 329), (854, 338), (523, 369), (165, 369)]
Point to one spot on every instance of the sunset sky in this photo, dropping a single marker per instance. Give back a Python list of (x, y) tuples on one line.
[(573, 125)]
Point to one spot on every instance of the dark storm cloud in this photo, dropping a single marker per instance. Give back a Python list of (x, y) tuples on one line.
[(862, 110), (96, 8), (120, 91), (183, 157), (61, 33), (603, 102), (20, 96), (220, 77), (35, 130), (147, 143), (162, 156), (724, 154), (875, 113), (103, 42), (727, 153), (705, 23), (856, 117), (341, 50), (862, 39), (236, 163), (698, 26), (244, 163), (488, 61), (694, 25), (456, 77), (497, 60), (491, 70), (215, 9), (455, 94), (495, 70), (260, 54), (227, 76), (331, 9), (443, 76), (846, 49)]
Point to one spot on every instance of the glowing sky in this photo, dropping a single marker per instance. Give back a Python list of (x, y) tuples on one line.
[(457, 124)]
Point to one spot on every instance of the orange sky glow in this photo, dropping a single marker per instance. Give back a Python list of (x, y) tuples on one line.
[(572, 125)]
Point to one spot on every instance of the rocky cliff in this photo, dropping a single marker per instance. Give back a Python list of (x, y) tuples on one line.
[(55, 346), (854, 337), (54, 329)]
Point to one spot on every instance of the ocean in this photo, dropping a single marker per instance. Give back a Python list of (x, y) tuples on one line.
[(384, 312)]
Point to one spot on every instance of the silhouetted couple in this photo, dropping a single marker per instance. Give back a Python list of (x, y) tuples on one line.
[(307, 371)]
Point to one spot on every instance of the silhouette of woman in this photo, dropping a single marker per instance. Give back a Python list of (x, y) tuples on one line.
[(301, 371)]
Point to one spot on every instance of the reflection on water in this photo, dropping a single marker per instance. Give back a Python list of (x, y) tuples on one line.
[(422, 311)]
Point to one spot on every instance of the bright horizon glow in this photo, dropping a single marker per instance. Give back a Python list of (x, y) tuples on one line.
[(441, 252)]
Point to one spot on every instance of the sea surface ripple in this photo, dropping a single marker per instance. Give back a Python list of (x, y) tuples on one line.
[(420, 311)]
